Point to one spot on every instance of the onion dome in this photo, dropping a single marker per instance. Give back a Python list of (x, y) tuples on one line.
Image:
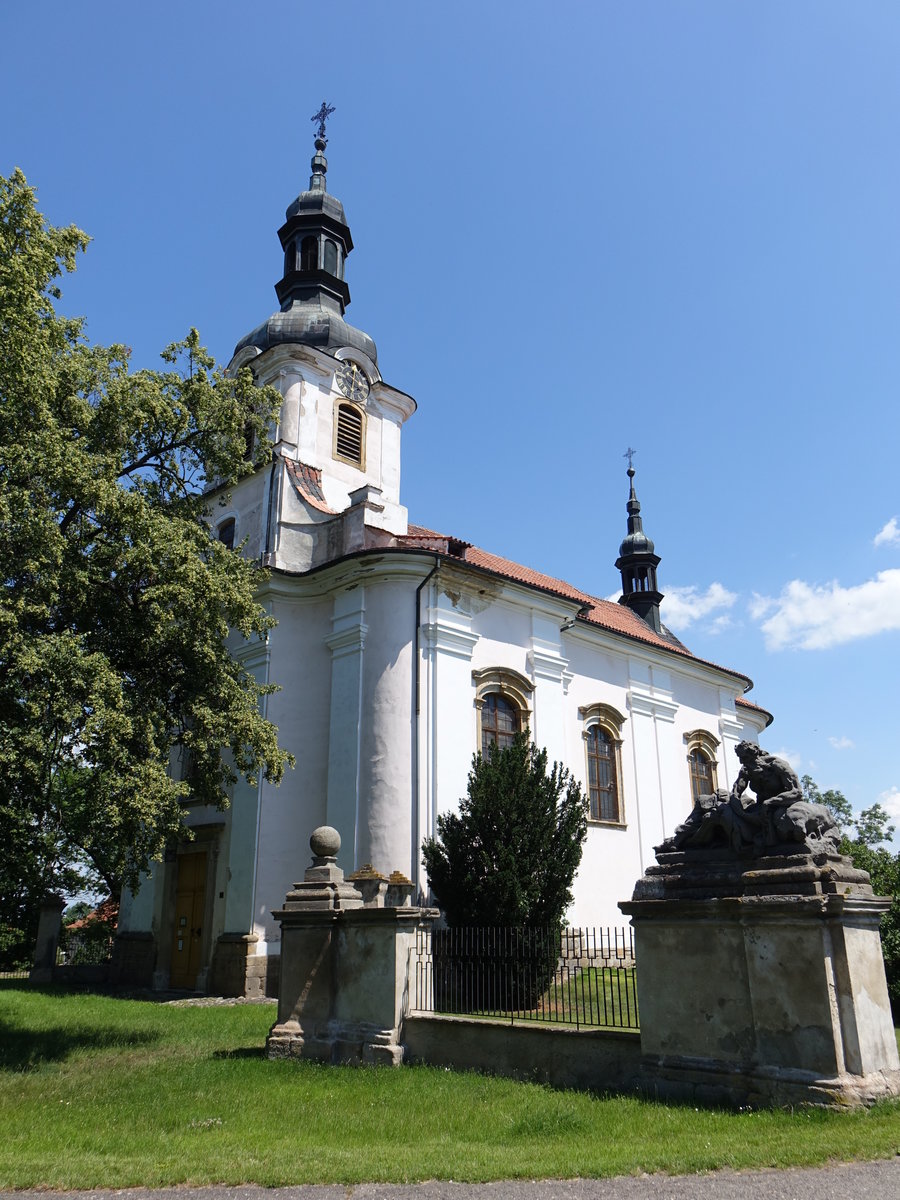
[(312, 291), (637, 563)]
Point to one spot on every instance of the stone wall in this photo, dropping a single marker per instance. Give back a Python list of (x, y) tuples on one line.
[(591, 1059), (237, 970), (133, 959)]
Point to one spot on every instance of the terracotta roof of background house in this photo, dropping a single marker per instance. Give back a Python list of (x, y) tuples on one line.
[(106, 911), (605, 613)]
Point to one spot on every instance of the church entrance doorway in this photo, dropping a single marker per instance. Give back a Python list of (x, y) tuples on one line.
[(190, 908)]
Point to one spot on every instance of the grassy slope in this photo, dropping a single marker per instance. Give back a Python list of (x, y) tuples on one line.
[(98, 1092)]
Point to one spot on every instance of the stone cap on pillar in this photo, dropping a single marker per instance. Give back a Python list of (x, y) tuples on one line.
[(400, 890), (323, 887), (371, 884)]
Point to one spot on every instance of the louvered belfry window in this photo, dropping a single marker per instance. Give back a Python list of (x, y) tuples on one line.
[(348, 442)]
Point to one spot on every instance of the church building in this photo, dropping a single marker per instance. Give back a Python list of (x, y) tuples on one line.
[(401, 651)]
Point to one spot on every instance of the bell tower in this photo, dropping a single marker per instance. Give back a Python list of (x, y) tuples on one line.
[(336, 477)]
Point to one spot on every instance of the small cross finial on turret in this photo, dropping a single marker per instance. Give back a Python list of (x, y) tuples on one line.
[(629, 454), (322, 116)]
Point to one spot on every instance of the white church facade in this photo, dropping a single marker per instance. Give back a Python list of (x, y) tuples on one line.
[(400, 651)]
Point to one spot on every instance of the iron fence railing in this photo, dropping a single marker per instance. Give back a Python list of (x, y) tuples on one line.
[(84, 950), (580, 977), (17, 971)]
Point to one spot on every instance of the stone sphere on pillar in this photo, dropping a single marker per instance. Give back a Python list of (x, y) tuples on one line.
[(325, 842)]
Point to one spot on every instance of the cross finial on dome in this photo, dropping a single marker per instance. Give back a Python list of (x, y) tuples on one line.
[(322, 116), (629, 454)]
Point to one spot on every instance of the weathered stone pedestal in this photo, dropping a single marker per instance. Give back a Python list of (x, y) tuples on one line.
[(762, 981), (344, 965)]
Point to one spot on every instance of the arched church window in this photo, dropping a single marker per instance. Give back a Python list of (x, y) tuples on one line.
[(603, 783), (702, 747), (309, 254), (701, 775), (603, 747), (501, 701), (500, 722), (226, 533), (349, 434), (331, 257), (290, 257)]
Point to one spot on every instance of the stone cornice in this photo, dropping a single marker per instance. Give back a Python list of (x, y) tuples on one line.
[(348, 640), (647, 705), (449, 639)]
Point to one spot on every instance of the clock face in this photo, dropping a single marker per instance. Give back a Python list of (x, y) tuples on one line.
[(352, 382)]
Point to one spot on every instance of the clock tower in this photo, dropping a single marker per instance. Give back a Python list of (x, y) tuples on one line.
[(335, 484)]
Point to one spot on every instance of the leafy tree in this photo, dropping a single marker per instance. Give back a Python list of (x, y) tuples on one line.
[(509, 856), (77, 911), (863, 843), (870, 828), (116, 599)]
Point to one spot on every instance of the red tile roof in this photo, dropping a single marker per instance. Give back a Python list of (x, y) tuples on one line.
[(107, 912), (605, 613), (308, 482), (756, 708)]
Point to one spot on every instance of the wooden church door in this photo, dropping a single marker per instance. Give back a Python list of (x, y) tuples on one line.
[(190, 904)]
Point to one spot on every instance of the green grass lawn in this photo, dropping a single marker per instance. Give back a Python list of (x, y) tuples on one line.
[(102, 1092)]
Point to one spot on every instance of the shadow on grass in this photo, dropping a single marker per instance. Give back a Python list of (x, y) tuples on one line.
[(241, 1052), (24, 1049)]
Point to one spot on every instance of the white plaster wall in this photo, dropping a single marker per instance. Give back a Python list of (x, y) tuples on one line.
[(300, 663), (247, 503)]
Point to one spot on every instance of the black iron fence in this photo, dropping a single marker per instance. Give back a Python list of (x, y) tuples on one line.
[(89, 949), (580, 977)]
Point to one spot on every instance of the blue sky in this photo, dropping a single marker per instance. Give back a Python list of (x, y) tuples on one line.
[(669, 225)]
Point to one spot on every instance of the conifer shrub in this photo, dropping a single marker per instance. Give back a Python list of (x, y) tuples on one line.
[(505, 861)]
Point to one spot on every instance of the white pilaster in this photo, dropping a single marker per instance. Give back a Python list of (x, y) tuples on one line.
[(731, 731), (653, 748), (347, 642), (447, 726), (549, 671)]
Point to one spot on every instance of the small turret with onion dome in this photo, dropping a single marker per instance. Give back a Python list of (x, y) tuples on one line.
[(638, 562)]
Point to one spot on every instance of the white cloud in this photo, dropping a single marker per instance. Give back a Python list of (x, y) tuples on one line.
[(888, 535), (890, 801), (795, 760), (842, 743), (682, 606), (813, 617)]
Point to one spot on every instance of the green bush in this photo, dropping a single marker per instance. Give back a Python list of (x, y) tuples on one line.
[(509, 856)]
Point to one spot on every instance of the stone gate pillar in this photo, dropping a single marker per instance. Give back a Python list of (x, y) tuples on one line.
[(49, 929), (344, 962), (759, 967)]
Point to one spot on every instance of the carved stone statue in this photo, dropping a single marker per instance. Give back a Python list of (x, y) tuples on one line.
[(777, 819)]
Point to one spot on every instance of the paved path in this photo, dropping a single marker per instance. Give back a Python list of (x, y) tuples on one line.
[(845, 1181)]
